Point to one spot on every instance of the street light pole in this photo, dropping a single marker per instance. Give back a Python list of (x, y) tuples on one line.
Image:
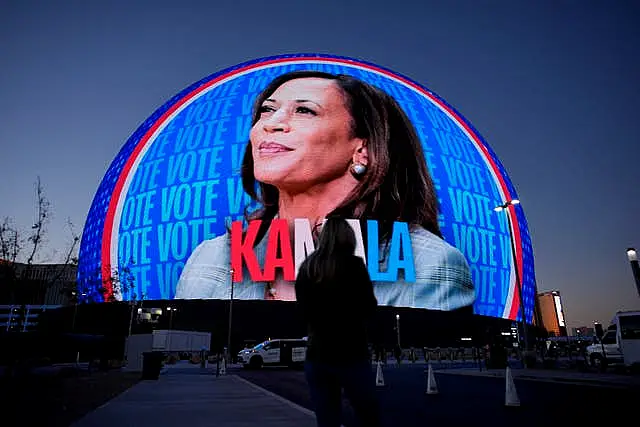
[(171, 310), (505, 207), (132, 306), (635, 266), (398, 329), (232, 271), (75, 313), (75, 310), (126, 345)]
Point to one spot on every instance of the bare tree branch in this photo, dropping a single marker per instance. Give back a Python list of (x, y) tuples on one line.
[(9, 243), (19, 278), (39, 227), (71, 258), (118, 283), (9, 249)]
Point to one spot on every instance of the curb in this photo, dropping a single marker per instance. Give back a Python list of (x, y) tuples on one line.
[(594, 382), (564, 380)]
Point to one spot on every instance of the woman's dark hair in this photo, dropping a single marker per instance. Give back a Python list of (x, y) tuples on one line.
[(397, 185), (336, 242)]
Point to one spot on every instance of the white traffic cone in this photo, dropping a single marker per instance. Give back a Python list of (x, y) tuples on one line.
[(379, 377), (432, 387), (223, 367), (511, 395)]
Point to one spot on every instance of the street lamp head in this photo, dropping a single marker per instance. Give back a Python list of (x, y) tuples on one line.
[(397, 317), (506, 204), (632, 254)]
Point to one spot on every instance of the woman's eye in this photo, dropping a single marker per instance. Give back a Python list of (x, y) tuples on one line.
[(305, 110), (266, 109)]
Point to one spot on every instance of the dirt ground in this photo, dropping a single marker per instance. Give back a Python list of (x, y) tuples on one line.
[(59, 400)]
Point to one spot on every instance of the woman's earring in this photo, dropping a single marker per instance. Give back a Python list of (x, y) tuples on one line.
[(358, 169)]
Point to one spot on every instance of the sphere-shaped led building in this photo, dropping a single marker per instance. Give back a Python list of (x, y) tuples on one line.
[(174, 194)]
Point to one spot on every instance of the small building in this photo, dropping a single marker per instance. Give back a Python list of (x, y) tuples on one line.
[(166, 341)]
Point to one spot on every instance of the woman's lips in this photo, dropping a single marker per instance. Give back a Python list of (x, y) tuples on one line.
[(272, 148)]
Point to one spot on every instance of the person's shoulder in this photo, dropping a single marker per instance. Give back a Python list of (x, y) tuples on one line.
[(424, 241), (212, 248), (439, 263), (206, 271), (429, 249), (355, 260)]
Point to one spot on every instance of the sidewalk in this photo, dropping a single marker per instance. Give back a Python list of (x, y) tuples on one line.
[(198, 400), (550, 375)]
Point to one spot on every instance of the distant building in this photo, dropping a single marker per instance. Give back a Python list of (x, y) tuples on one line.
[(10, 318), (551, 313), (26, 292), (583, 331), (41, 284)]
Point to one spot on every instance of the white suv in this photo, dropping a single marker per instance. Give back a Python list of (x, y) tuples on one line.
[(287, 352)]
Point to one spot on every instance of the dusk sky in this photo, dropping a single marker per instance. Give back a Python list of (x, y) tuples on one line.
[(552, 86)]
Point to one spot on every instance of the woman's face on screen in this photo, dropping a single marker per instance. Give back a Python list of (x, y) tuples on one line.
[(303, 135)]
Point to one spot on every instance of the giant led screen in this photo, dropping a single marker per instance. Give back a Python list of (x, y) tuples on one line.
[(227, 185)]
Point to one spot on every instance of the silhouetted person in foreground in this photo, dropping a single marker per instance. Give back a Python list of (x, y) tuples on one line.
[(336, 299)]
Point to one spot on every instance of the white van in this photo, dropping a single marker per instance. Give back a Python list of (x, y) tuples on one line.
[(283, 352), (620, 345)]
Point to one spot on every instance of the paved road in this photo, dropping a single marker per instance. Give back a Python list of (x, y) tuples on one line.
[(469, 400)]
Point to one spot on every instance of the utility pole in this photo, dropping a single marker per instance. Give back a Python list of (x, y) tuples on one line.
[(228, 355), (505, 207)]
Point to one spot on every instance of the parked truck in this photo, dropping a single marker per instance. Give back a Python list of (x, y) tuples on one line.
[(619, 345)]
